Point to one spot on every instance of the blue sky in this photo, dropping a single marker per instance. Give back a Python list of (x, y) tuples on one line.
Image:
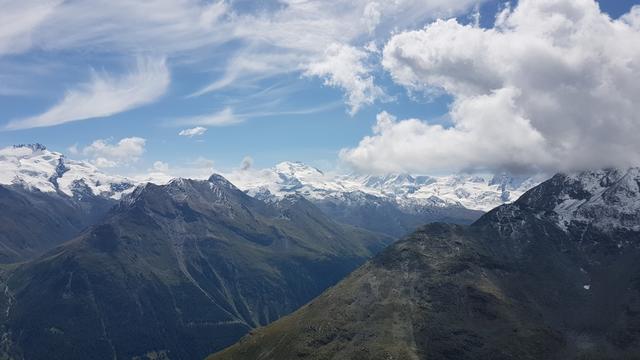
[(294, 105)]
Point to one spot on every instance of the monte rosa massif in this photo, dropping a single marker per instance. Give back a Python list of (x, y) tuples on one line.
[(33, 166)]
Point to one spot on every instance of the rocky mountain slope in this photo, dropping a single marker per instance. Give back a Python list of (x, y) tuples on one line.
[(32, 222), (46, 199), (176, 272), (393, 204), (555, 275)]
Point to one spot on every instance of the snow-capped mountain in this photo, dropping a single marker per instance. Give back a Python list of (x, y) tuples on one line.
[(553, 275), (33, 166), (468, 191), (608, 200), (394, 204)]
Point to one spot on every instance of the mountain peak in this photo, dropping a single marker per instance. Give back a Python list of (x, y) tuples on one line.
[(297, 169), (608, 199), (221, 180), (34, 167)]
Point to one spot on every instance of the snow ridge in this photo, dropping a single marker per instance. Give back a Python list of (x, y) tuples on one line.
[(408, 191), (607, 199), (35, 167)]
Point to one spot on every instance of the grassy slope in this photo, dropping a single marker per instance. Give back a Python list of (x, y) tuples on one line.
[(450, 292), (175, 276)]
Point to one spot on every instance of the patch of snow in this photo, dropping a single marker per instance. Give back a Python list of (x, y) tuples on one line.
[(36, 168), (607, 199)]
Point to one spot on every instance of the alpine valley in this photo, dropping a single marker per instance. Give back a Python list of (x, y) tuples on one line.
[(554, 275), (298, 264), (102, 267)]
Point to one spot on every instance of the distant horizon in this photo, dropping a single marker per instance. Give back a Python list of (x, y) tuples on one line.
[(248, 167)]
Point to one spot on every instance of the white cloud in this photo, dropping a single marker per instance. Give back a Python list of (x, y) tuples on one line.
[(104, 163), (161, 166), (18, 20), (224, 117), (344, 66), (551, 87), (203, 163), (164, 26), (73, 149), (324, 39), (161, 172), (196, 131), (104, 95), (105, 154), (267, 41)]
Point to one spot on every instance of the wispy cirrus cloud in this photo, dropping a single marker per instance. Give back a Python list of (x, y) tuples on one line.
[(268, 41), (104, 95), (166, 26), (327, 40), (229, 117), (223, 117), (19, 20)]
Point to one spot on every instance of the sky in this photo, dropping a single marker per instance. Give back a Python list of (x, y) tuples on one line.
[(185, 87)]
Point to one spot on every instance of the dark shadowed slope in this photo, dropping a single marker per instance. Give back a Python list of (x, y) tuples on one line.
[(556, 275), (387, 217), (32, 222), (176, 271)]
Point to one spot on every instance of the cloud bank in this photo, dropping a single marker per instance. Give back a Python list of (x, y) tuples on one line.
[(104, 95), (552, 86)]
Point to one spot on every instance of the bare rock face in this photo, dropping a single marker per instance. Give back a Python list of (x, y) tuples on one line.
[(555, 275)]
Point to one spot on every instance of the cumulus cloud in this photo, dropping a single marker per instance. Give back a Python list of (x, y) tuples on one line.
[(552, 86), (104, 95), (104, 153), (196, 131), (344, 67)]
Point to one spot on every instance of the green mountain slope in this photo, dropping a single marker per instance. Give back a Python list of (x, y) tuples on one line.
[(177, 272), (32, 222), (556, 275)]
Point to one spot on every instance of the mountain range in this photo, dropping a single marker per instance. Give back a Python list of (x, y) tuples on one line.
[(554, 275), (103, 266), (35, 167), (47, 199), (175, 271), (393, 204)]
